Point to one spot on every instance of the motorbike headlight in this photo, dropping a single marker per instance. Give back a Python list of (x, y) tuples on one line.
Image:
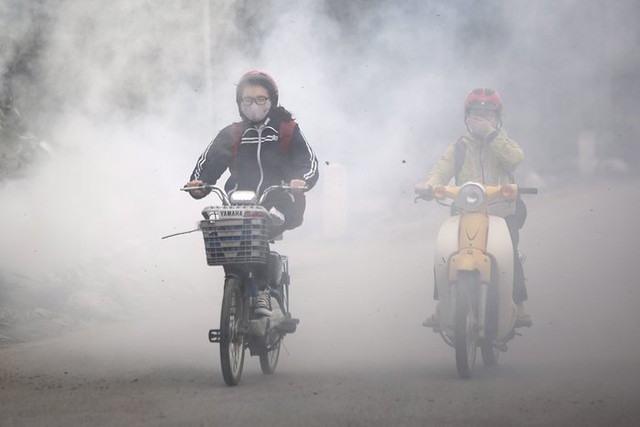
[(242, 197), (471, 197)]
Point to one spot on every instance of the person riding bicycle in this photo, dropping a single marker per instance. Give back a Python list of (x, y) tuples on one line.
[(486, 155), (265, 148)]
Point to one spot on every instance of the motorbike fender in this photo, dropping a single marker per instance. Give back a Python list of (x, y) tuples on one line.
[(471, 260), (500, 246)]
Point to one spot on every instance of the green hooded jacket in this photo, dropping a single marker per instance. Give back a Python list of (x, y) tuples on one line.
[(490, 163)]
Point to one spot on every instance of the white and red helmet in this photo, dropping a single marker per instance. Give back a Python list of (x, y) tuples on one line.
[(483, 99)]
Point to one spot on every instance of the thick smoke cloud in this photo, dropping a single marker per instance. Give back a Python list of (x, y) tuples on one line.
[(127, 94)]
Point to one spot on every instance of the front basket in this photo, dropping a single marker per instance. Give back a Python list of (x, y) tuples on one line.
[(235, 236)]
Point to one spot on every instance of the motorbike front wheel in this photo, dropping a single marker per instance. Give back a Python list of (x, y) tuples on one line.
[(466, 336), (233, 336)]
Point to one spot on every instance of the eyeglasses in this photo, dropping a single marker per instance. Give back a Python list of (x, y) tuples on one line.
[(259, 100)]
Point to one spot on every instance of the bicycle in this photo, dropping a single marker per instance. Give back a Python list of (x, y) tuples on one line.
[(237, 235)]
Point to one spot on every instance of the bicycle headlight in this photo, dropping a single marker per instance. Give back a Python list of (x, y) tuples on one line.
[(471, 197), (242, 197)]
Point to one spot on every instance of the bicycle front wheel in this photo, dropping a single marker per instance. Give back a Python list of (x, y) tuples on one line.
[(233, 334)]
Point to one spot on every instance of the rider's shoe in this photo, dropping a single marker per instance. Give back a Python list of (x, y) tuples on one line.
[(263, 303), (523, 320), (431, 322)]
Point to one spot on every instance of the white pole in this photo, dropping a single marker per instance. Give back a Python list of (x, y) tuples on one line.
[(208, 67)]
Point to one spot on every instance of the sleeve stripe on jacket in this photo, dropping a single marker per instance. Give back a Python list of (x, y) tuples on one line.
[(312, 158), (201, 160)]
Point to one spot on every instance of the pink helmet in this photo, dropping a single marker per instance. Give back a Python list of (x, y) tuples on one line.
[(263, 79)]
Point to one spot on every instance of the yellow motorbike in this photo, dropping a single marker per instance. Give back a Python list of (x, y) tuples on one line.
[(473, 273)]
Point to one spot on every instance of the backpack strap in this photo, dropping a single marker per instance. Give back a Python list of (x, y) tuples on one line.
[(237, 129), (286, 135), (460, 150)]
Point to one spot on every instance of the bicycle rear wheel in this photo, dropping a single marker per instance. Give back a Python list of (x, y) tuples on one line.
[(271, 353), (269, 357)]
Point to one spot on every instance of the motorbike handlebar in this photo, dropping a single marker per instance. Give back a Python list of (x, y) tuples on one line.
[(527, 190), (423, 196)]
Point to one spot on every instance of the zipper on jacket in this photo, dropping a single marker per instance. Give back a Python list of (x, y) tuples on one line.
[(481, 164), (258, 152)]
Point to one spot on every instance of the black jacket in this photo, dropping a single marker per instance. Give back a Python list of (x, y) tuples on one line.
[(259, 161)]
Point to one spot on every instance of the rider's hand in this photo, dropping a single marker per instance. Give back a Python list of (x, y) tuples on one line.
[(298, 184), (424, 190), (480, 126), (195, 193)]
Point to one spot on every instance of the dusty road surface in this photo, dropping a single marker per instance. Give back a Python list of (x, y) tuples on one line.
[(361, 356)]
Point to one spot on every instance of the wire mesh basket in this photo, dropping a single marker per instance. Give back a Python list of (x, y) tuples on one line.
[(235, 235)]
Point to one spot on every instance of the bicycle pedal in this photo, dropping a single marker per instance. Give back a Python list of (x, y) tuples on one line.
[(523, 323), (214, 336)]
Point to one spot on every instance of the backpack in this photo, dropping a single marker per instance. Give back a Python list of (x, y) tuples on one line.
[(285, 132)]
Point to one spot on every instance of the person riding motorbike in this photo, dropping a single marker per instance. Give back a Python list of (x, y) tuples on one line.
[(488, 156), (265, 148)]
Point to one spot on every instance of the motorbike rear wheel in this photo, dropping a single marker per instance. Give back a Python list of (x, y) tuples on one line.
[(490, 354), (488, 349), (466, 336), (233, 335)]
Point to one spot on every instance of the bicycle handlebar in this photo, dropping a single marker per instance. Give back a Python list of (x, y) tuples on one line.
[(209, 187), (225, 197)]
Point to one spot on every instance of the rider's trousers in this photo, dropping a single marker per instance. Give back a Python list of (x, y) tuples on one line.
[(519, 287), (292, 207)]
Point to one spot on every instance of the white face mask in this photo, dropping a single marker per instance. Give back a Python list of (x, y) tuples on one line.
[(256, 113)]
